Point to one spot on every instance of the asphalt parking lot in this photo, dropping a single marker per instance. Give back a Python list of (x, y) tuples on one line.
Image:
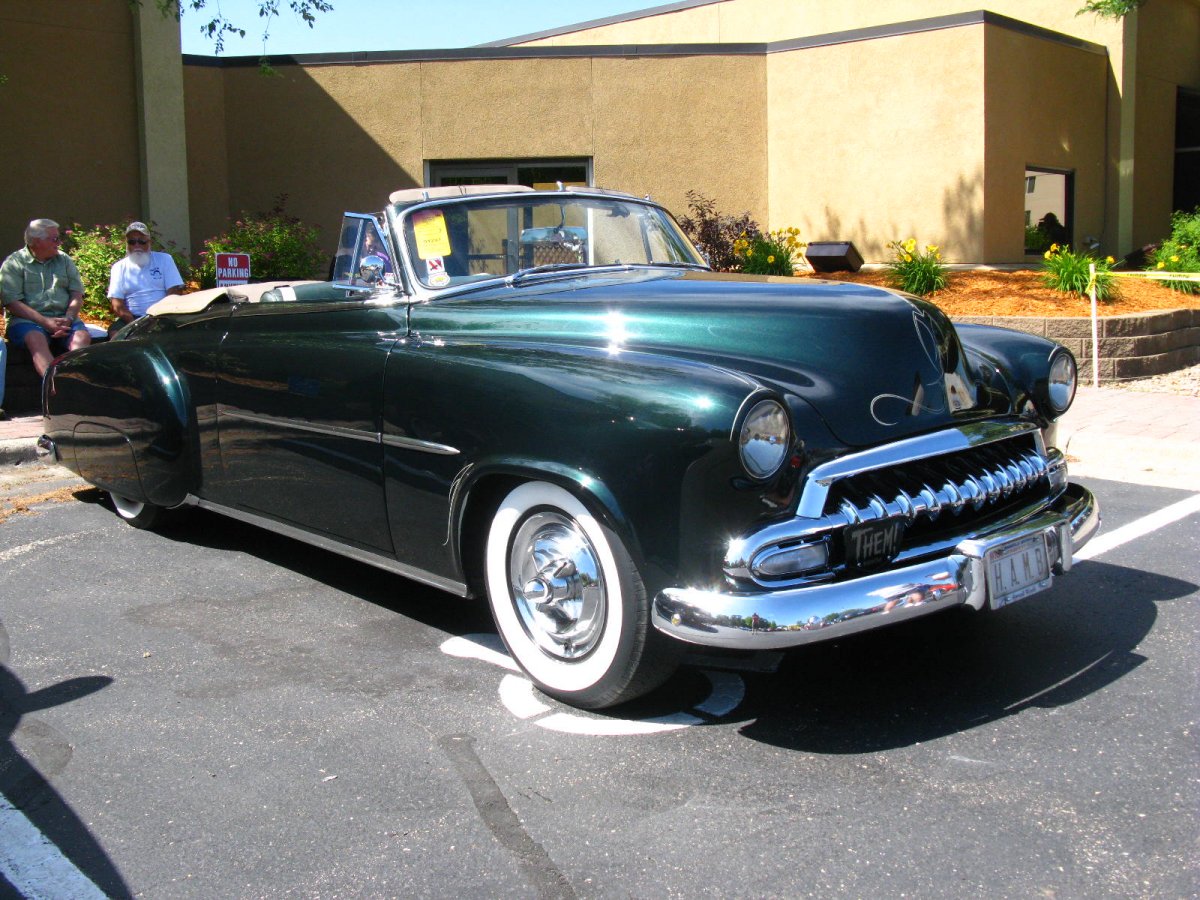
[(218, 711)]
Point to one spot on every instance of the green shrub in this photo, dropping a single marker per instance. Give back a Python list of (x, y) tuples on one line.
[(773, 253), (1067, 271), (1036, 240), (919, 272), (715, 233), (281, 248), (1181, 251), (95, 248)]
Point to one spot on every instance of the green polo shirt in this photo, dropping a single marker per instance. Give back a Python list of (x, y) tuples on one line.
[(45, 286)]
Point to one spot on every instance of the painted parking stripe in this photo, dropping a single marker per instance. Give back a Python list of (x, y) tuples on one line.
[(517, 694), (44, 544), (1139, 528), (34, 865)]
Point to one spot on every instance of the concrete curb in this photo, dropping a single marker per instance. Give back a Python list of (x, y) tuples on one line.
[(18, 451)]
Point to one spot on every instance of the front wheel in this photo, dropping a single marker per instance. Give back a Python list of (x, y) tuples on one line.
[(137, 513), (569, 603)]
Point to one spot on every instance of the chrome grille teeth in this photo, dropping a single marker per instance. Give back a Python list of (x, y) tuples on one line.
[(965, 482)]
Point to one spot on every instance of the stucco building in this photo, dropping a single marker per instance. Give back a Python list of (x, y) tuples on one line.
[(863, 120)]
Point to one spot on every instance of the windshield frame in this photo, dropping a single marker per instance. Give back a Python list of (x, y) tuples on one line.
[(401, 216)]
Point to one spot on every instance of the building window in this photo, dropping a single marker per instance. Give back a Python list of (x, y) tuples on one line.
[(1049, 208), (543, 174)]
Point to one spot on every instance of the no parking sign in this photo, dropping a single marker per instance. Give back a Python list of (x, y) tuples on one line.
[(233, 268)]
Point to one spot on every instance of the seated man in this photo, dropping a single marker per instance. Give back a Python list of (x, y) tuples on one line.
[(42, 293), (141, 278)]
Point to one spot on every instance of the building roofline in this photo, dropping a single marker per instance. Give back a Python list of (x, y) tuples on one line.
[(484, 52), (636, 14)]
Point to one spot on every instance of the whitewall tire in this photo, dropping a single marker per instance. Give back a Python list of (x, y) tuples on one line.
[(568, 601)]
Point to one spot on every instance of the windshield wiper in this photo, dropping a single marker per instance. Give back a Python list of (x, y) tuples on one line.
[(676, 265), (548, 267)]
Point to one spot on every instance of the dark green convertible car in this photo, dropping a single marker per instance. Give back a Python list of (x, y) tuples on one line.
[(548, 399)]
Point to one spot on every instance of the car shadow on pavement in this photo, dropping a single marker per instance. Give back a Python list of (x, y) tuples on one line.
[(429, 605), (31, 749), (952, 672)]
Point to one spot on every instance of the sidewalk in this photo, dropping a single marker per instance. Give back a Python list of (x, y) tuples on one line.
[(1109, 433)]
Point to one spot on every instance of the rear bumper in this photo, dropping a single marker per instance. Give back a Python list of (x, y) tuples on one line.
[(826, 611), (47, 451)]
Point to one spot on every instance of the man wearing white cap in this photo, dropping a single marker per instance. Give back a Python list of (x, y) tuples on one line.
[(141, 278)]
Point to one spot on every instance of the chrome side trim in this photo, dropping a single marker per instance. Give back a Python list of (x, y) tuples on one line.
[(354, 434), (802, 615), (822, 477), (407, 443), (378, 560)]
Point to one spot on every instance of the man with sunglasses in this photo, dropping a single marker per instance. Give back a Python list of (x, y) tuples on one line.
[(41, 292), (141, 278)]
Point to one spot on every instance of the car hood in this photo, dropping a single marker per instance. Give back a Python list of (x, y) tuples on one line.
[(875, 364)]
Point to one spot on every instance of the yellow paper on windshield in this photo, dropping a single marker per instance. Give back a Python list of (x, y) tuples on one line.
[(429, 229)]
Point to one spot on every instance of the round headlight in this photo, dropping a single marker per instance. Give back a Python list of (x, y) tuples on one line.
[(764, 439), (1061, 383)]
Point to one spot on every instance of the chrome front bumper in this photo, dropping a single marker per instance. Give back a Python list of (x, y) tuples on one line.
[(825, 611)]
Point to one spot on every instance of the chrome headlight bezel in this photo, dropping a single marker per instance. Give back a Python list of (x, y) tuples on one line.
[(1062, 378), (764, 438)]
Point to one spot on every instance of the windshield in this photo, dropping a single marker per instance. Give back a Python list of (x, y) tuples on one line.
[(458, 241)]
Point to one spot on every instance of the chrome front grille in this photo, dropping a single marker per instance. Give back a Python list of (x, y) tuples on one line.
[(976, 480), (945, 486)]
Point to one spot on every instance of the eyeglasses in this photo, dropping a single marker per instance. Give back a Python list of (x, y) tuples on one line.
[(54, 240), (139, 242)]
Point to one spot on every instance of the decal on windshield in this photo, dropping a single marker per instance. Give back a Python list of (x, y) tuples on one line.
[(435, 266), (429, 229)]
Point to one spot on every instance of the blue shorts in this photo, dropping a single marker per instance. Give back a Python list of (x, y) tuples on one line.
[(18, 328)]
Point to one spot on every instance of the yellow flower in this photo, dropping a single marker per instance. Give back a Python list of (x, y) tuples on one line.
[(1054, 248), (1162, 265), (1047, 254), (770, 259), (931, 248), (910, 245), (1109, 260), (907, 257), (1174, 259)]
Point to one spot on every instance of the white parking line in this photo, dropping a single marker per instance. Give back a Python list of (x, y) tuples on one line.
[(1139, 528), (34, 865), (519, 698), (13, 552)]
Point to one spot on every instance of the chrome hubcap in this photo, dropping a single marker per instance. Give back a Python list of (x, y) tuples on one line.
[(557, 585)]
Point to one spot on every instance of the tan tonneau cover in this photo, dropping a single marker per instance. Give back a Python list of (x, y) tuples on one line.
[(198, 301)]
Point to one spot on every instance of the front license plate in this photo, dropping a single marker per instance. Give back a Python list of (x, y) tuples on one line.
[(1017, 569)]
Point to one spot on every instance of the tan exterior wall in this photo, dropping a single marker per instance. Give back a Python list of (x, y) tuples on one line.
[(70, 148), (880, 141), (1045, 106), (162, 143), (1149, 53), (208, 164), (1168, 54), (342, 137), (750, 21)]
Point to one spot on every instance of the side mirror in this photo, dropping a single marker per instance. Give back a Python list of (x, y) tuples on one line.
[(371, 269)]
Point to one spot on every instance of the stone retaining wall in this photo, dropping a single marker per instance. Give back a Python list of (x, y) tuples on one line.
[(1136, 345)]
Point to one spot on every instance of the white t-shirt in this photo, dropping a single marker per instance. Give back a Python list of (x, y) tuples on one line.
[(143, 286)]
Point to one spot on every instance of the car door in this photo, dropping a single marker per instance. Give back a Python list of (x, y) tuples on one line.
[(299, 409)]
